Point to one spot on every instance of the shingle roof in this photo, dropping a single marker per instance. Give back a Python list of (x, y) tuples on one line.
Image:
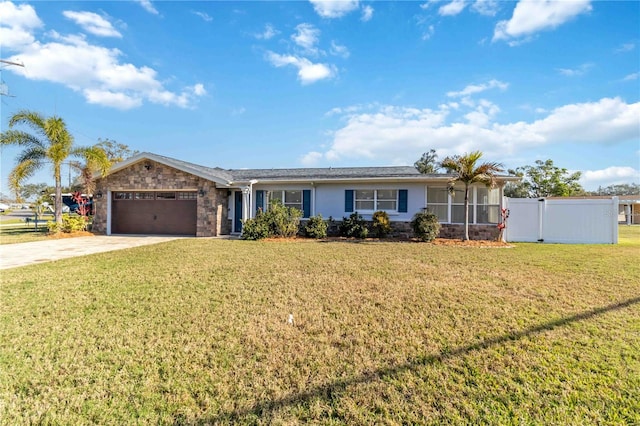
[(324, 173), (238, 176), (214, 172)]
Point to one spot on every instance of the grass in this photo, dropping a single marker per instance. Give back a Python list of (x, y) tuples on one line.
[(15, 233), (195, 332)]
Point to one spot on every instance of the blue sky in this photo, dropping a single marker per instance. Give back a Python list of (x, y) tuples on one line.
[(342, 83)]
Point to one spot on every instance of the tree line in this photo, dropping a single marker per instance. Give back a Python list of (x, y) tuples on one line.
[(543, 179)]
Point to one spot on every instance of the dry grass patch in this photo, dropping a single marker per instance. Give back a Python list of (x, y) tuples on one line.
[(195, 331)]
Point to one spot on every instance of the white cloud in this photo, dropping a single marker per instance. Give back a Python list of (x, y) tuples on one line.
[(117, 100), (486, 7), (199, 90), (92, 23), (609, 176), (453, 8), (575, 72), (367, 13), (626, 47), (308, 72), (148, 6), (477, 88), (17, 25), (334, 8), (338, 50), (395, 134), (530, 17), (268, 33), (94, 71), (631, 77), (204, 15), (427, 5), (428, 33), (307, 37), (311, 158)]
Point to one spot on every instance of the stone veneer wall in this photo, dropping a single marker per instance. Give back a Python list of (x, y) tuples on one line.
[(449, 231), (211, 208)]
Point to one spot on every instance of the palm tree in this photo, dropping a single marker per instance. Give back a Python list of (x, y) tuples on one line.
[(466, 170), (50, 143)]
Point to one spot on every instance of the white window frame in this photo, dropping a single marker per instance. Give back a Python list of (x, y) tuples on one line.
[(375, 200), (473, 204), (283, 194)]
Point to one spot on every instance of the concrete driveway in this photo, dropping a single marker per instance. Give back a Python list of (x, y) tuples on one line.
[(14, 255)]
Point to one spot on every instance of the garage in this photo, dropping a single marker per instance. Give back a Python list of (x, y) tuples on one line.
[(154, 212)]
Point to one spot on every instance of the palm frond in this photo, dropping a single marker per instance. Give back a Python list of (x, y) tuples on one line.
[(36, 154), (21, 172), (20, 138), (32, 119)]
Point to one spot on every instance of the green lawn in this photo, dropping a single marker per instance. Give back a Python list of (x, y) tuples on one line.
[(16, 233), (195, 332)]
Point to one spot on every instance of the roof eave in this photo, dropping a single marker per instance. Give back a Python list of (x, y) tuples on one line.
[(143, 156)]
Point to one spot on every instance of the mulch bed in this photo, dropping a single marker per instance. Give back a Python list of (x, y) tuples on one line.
[(59, 235), (437, 241)]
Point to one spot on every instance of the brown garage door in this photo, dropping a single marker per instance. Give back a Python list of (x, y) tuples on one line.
[(168, 213)]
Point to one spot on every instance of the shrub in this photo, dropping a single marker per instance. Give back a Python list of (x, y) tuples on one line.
[(69, 224), (316, 227), (278, 221), (425, 226), (283, 221), (381, 225), (255, 229), (353, 226)]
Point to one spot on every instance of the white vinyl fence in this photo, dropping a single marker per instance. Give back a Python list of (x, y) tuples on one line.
[(562, 220)]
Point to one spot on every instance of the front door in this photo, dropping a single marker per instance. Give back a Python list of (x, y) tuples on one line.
[(237, 215)]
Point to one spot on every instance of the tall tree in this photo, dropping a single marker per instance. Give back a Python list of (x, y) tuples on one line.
[(465, 169), (544, 180), (32, 191), (428, 164), (116, 152), (618, 189), (50, 143)]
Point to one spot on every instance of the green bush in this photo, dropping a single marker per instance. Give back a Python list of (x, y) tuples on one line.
[(381, 224), (425, 226), (278, 221), (353, 226), (283, 221), (69, 224), (316, 227), (255, 229)]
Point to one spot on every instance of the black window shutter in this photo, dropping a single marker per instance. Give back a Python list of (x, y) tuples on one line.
[(403, 196), (306, 203), (348, 200)]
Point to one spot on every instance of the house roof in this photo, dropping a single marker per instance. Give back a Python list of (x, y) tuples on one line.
[(325, 173), (215, 174), (232, 177)]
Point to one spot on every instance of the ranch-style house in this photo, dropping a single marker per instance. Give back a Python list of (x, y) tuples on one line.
[(153, 194)]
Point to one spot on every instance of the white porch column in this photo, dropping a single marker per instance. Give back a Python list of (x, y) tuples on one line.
[(246, 203)]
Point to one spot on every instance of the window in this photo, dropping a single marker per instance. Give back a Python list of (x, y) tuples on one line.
[(122, 196), (376, 199), (289, 198), (438, 202), (484, 204), (143, 196), (165, 196), (187, 195), (488, 205), (457, 205)]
